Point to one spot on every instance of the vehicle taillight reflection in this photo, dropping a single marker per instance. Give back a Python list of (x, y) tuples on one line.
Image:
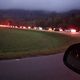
[(73, 30), (60, 29)]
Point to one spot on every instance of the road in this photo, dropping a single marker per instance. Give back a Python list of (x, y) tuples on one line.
[(74, 34), (37, 68)]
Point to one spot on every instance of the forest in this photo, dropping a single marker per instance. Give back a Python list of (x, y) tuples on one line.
[(40, 18)]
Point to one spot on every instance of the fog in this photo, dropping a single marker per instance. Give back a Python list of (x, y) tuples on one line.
[(51, 5)]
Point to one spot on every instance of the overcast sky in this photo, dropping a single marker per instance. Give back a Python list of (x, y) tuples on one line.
[(51, 5)]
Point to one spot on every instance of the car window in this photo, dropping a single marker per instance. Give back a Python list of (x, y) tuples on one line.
[(34, 35)]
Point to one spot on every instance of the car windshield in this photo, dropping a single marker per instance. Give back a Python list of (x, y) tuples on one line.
[(34, 35)]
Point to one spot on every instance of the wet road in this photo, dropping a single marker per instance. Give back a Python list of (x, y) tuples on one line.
[(74, 34), (37, 68)]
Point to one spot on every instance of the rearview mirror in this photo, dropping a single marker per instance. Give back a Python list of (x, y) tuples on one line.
[(72, 57)]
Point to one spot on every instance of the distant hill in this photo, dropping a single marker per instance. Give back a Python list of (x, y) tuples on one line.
[(21, 14), (34, 17)]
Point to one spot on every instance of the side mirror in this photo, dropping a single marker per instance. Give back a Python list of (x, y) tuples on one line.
[(72, 58)]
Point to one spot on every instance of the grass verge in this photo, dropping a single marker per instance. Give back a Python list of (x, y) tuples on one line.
[(26, 43)]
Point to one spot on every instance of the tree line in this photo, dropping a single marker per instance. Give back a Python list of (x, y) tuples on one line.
[(40, 18)]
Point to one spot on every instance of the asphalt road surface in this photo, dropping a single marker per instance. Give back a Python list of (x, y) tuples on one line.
[(37, 68), (74, 34)]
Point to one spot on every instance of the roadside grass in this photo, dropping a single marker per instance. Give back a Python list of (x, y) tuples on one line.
[(25, 43)]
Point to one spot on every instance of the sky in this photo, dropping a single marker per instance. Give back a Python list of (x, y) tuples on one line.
[(50, 5)]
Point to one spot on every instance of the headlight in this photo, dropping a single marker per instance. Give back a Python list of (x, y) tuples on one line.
[(73, 30)]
